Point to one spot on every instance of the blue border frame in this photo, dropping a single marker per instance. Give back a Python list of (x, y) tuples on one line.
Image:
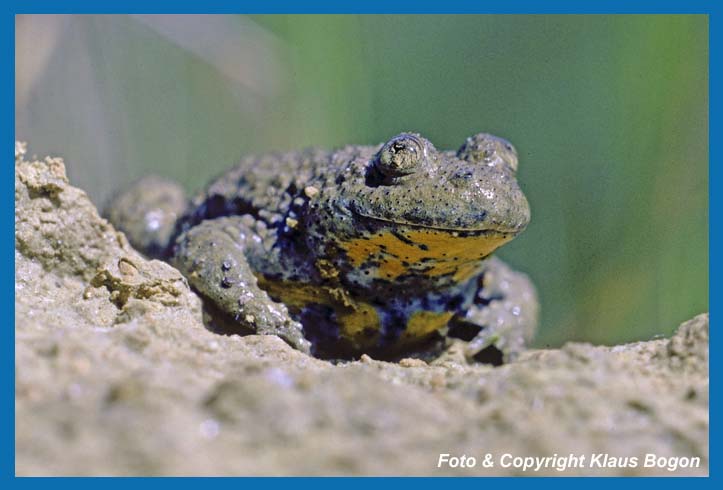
[(374, 7), (7, 96)]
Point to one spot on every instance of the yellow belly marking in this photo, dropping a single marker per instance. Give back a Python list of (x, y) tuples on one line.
[(423, 323), (446, 253), (355, 318)]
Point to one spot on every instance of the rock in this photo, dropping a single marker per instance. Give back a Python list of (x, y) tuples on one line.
[(117, 375)]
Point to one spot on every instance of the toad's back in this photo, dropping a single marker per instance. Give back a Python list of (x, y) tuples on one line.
[(265, 186)]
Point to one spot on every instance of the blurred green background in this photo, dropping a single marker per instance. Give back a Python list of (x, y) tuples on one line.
[(609, 115)]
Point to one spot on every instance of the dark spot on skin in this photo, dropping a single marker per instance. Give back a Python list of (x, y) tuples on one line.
[(226, 282), (455, 302), (213, 207), (374, 178), (464, 330), (393, 325), (377, 301), (424, 270), (486, 300), (240, 206), (319, 323), (490, 355), (423, 247), (225, 266)]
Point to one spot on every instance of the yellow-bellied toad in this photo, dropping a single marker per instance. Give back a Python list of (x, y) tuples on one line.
[(363, 249)]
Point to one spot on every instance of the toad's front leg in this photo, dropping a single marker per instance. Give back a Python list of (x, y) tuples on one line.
[(504, 313), (213, 256)]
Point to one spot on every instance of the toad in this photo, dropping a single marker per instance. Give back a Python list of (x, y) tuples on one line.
[(364, 249)]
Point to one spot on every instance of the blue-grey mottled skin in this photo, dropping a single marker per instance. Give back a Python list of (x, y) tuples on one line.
[(300, 223)]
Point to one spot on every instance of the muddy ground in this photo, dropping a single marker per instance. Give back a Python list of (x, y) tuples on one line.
[(117, 375)]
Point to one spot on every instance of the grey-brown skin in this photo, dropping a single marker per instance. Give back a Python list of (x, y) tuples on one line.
[(149, 210), (374, 249)]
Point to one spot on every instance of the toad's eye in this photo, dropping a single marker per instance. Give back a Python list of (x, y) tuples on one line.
[(401, 155), (490, 150)]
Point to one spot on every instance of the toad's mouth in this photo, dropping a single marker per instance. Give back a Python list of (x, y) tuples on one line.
[(489, 230)]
